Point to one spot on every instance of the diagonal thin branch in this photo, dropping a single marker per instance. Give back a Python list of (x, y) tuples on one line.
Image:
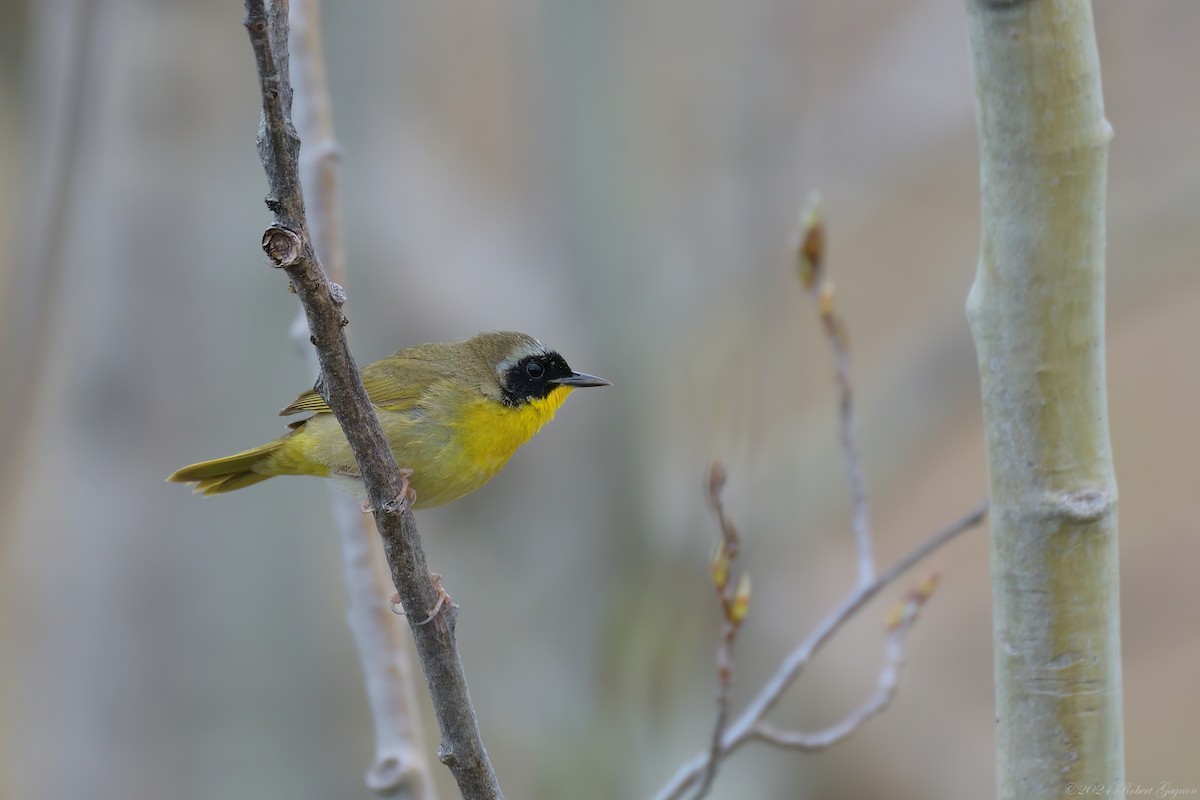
[(799, 658), (887, 684), (399, 768), (288, 246), (747, 726)]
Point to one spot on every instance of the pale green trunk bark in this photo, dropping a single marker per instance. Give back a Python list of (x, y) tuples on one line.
[(1037, 314)]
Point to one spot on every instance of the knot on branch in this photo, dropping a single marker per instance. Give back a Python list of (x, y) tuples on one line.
[(1083, 505), (282, 246), (256, 23), (337, 293), (446, 754), (389, 774)]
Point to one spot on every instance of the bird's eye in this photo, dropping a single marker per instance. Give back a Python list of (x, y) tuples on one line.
[(534, 369)]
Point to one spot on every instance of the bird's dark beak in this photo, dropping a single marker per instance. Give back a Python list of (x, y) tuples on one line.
[(580, 379)]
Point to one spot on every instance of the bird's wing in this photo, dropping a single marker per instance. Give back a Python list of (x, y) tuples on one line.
[(384, 387)]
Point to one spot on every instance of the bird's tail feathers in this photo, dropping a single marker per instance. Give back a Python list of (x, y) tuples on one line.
[(229, 473)]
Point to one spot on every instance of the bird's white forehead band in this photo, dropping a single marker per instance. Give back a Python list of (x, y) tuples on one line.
[(531, 348)]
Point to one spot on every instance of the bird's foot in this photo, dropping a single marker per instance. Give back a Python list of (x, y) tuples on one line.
[(404, 499), (444, 601)]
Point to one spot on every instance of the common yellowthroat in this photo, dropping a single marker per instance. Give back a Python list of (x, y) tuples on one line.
[(453, 413)]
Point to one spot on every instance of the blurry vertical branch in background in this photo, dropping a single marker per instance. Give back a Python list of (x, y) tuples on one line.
[(1037, 314), (752, 723), (288, 247), (400, 768), (31, 298)]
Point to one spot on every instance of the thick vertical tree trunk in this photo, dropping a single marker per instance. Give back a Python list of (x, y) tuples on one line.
[(1037, 314)]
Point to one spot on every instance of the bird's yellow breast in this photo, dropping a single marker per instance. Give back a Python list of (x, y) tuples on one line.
[(483, 435)]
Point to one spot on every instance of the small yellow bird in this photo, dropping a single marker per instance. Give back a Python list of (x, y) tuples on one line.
[(453, 413)]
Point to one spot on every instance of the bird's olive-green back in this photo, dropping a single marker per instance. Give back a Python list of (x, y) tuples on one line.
[(398, 381)]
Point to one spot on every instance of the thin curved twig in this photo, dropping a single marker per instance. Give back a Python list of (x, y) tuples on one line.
[(732, 584), (811, 257), (887, 684)]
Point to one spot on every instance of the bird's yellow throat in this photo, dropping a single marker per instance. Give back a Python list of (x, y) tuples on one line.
[(492, 432)]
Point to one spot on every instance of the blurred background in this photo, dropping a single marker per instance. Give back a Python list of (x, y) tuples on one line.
[(622, 181)]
